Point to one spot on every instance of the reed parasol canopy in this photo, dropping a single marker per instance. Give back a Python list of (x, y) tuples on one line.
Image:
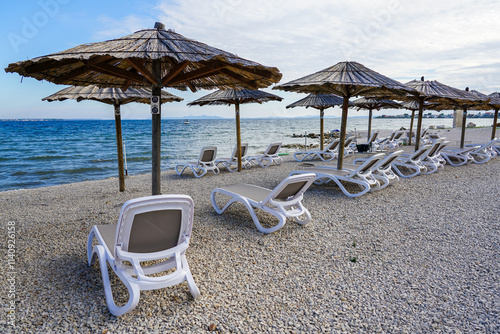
[(110, 95), (439, 95), (236, 97), (320, 102), (374, 104), (149, 58), (495, 103), (116, 97), (347, 79), (487, 103)]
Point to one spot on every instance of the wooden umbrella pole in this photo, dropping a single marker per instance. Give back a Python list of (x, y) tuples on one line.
[(495, 121), (119, 146), (238, 136), (462, 137), (321, 125), (369, 123), (156, 134), (343, 125), (411, 126), (419, 121)]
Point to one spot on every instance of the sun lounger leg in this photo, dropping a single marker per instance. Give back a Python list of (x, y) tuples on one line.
[(133, 290), (383, 182), (415, 171), (364, 187), (189, 279), (246, 203)]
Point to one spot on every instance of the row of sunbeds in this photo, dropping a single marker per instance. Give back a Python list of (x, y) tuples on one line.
[(153, 233), (363, 175), (208, 161)]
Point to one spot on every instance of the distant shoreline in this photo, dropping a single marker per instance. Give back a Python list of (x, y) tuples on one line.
[(204, 117)]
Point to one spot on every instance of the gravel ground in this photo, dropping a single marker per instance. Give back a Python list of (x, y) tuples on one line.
[(419, 256)]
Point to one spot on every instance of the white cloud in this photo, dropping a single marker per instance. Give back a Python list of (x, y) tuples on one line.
[(398, 38), (455, 42)]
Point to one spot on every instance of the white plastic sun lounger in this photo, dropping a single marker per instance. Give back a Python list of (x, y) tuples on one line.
[(283, 201), (269, 157), (455, 156), (383, 169), (483, 152), (149, 229), (389, 143), (206, 162), (411, 163), (361, 176), (327, 154), (432, 158), (232, 163), (349, 146)]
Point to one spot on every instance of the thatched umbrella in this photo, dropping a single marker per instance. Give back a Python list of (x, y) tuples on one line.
[(320, 102), (236, 97), (495, 98), (377, 104), (116, 97), (413, 106), (346, 79), (493, 104), (438, 94), (149, 58)]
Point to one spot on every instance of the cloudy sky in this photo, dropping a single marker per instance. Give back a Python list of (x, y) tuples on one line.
[(455, 42)]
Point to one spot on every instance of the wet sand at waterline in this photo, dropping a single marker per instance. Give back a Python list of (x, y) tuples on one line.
[(418, 256)]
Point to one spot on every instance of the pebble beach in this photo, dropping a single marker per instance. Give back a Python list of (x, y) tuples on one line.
[(420, 256)]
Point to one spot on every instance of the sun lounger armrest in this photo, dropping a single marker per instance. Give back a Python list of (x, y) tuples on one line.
[(128, 256), (137, 258)]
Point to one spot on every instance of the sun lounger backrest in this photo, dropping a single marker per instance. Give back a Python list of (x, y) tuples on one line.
[(389, 160), (154, 223), (373, 137), (208, 154), (244, 148), (290, 190), (155, 231), (348, 141), (444, 143), (333, 145), (418, 154), (273, 148), (398, 135), (368, 164), (487, 145), (434, 148)]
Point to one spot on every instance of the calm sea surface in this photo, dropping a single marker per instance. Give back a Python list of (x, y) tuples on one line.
[(44, 153)]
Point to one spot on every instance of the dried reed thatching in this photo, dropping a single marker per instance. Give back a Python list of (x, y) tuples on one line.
[(347, 79), (110, 95), (128, 61), (235, 96)]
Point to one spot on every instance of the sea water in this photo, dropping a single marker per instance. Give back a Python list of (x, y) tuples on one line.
[(44, 153)]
